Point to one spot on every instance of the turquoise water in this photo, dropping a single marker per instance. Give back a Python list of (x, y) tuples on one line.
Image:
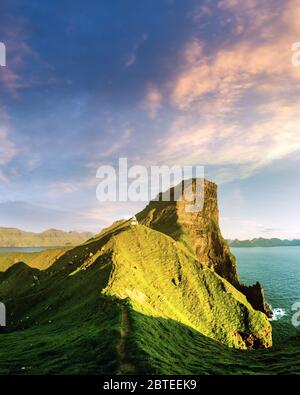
[(278, 271), (5, 250)]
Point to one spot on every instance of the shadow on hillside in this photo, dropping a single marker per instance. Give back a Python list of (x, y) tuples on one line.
[(83, 335), (75, 257), (161, 214), (163, 346)]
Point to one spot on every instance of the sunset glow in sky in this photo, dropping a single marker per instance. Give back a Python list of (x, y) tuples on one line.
[(157, 81)]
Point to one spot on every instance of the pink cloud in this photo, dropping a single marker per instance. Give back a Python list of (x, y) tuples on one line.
[(153, 100), (250, 78), (263, 52), (213, 141)]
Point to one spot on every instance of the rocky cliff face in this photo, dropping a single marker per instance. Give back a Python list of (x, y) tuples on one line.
[(200, 232)]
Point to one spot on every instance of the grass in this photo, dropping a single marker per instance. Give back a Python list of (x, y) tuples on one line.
[(68, 317), (162, 279), (163, 346), (61, 326), (39, 260)]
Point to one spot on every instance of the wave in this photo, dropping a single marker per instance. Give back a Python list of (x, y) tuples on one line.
[(278, 313)]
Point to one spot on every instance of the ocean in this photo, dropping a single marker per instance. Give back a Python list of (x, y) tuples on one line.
[(278, 271)]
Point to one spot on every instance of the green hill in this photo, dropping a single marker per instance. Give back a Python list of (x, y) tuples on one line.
[(159, 278), (134, 299), (11, 237), (39, 260)]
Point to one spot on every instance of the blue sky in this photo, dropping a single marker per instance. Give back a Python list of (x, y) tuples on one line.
[(159, 82)]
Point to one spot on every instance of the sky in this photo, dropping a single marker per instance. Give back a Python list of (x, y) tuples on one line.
[(160, 82)]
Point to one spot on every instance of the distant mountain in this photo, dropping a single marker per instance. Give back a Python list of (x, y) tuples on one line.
[(261, 242), (11, 237)]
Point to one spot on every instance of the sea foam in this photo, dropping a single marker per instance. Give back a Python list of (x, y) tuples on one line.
[(278, 313)]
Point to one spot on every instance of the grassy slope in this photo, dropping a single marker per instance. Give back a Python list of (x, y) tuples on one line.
[(40, 260), (60, 324), (65, 324), (163, 346), (58, 321), (162, 279)]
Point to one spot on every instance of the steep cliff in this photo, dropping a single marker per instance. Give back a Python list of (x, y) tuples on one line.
[(200, 232)]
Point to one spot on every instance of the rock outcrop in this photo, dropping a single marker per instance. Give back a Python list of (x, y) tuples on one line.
[(200, 232)]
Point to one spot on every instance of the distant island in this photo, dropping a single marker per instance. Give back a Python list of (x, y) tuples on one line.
[(261, 242), (12, 237)]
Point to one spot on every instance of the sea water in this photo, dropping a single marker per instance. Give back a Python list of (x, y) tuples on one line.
[(278, 271)]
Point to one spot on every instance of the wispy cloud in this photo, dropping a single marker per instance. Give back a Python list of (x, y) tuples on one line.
[(119, 145), (39, 217), (261, 53), (153, 100), (16, 76), (217, 142), (11, 79), (8, 149), (132, 56), (244, 229)]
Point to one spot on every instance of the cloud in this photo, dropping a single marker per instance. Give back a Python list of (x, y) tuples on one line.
[(39, 217), (153, 100), (244, 229), (226, 74), (237, 151), (61, 189), (16, 76), (8, 149), (236, 104), (112, 146), (238, 228), (131, 58), (32, 217), (11, 79), (3, 177), (120, 144), (201, 11), (106, 213)]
